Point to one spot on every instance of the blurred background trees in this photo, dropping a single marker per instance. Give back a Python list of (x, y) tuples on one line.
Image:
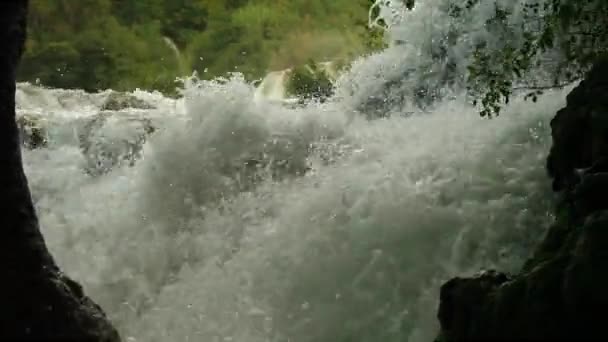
[(127, 44)]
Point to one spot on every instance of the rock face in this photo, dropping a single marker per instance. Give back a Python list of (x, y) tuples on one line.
[(561, 292), (38, 301)]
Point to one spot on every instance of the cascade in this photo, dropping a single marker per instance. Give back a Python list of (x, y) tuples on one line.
[(247, 220)]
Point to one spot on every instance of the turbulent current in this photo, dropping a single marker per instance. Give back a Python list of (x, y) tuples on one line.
[(243, 220)]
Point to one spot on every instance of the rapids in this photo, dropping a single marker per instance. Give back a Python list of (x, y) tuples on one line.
[(344, 230)]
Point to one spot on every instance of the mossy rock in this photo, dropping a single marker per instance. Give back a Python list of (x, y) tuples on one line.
[(33, 131), (119, 101), (310, 81)]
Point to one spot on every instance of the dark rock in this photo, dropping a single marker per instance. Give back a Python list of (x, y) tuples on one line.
[(590, 194), (32, 131), (112, 139), (38, 301), (308, 82), (580, 130), (119, 101), (560, 293), (462, 301), (586, 277)]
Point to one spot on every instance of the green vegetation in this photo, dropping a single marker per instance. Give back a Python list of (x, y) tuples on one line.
[(572, 32), (127, 44), (310, 81)]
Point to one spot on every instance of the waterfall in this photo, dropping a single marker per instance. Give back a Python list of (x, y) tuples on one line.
[(179, 58), (247, 220)]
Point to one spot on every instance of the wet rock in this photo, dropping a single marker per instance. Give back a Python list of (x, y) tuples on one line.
[(560, 293), (39, 302), (590, 194), (580, 130), (119, 101), (32, 130), (586, 278), (462, 301), (113, 139), (310, 81)]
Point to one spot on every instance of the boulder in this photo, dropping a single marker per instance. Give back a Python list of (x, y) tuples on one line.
[(112, 139), (32, 131), (119, 101)]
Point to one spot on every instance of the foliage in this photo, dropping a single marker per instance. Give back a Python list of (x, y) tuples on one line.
[(127, 44), (572, 32), (83, 45)]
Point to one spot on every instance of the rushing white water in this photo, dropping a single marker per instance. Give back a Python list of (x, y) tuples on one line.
[(342, 230)]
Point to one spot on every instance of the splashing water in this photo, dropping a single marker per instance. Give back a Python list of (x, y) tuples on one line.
[(248, 221)]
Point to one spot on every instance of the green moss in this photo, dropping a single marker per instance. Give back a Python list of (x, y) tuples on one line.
[(309, 82)]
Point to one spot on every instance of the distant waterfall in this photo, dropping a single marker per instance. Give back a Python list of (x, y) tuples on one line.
[(273, 85), (179, 58)]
